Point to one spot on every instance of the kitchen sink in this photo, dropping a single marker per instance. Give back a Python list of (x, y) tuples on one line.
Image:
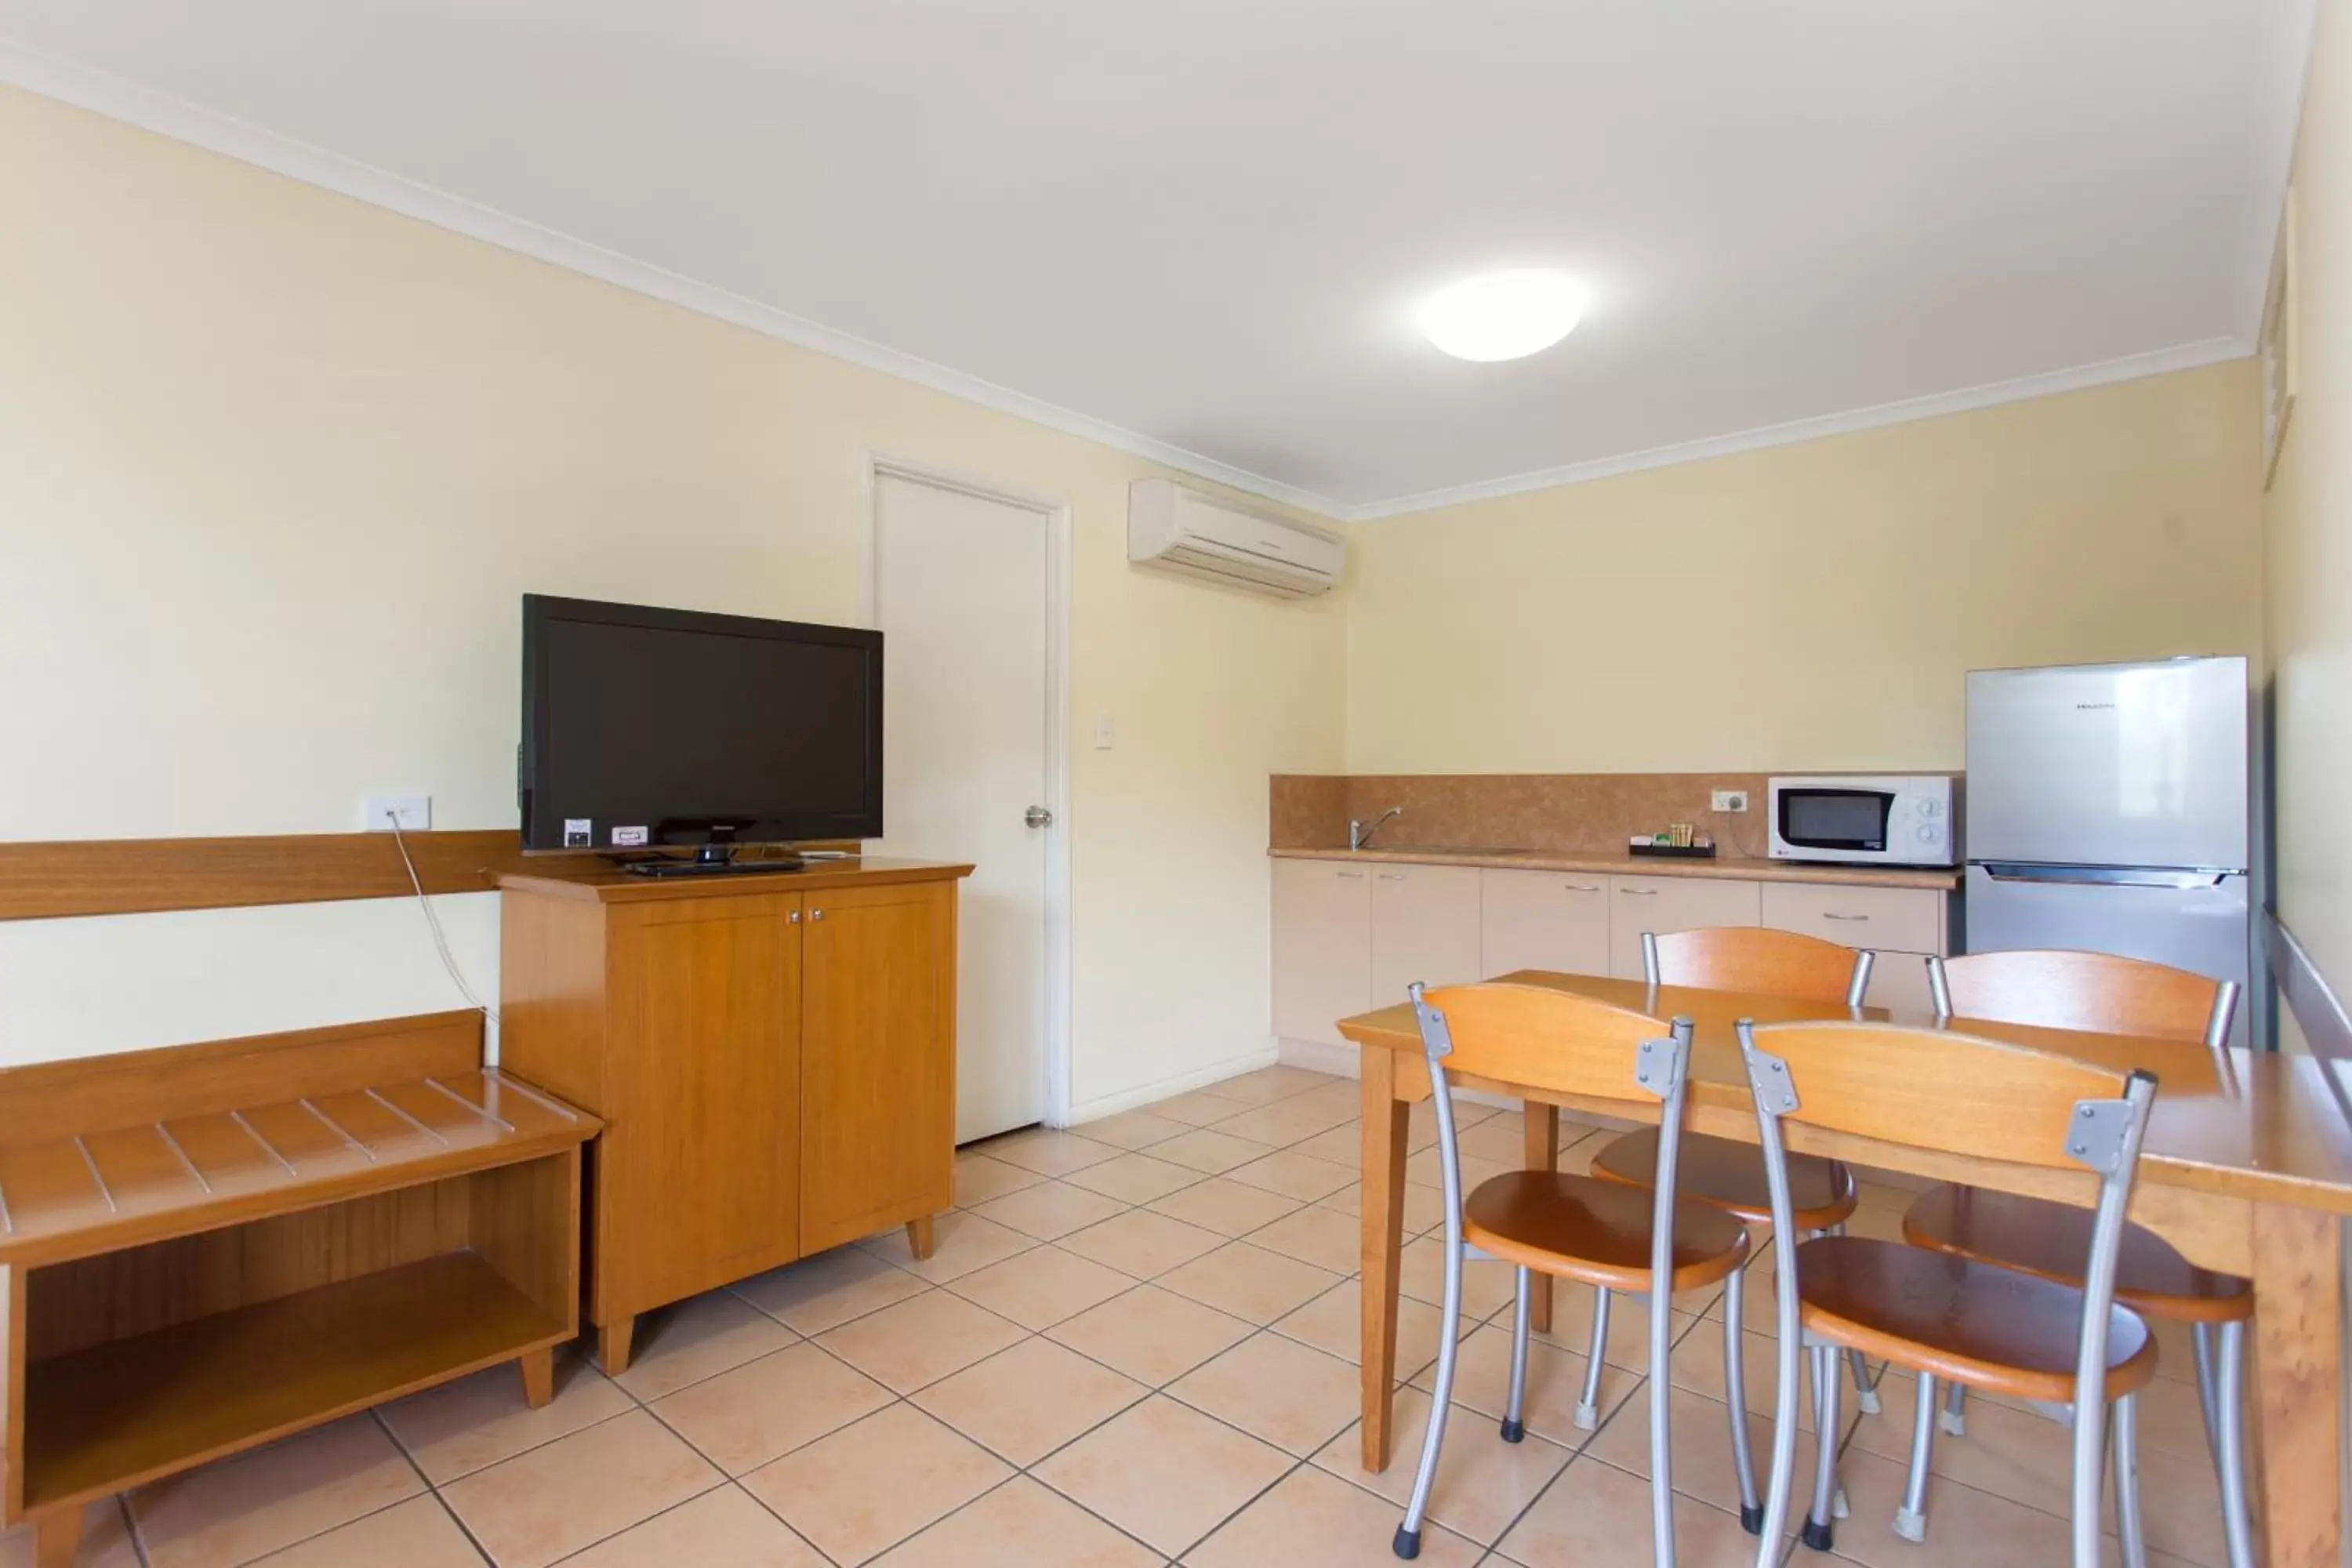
[(1435, 851)]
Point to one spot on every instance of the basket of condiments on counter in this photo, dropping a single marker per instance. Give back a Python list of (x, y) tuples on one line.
[(1680, 841)]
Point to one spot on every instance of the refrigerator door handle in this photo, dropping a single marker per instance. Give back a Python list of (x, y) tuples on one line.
[(2100, 876)]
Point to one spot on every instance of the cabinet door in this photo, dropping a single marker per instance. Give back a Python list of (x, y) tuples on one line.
[(696, 1172), (1322, 947), (1425, 927), (1901, 924), (1661, 904), (1542, 920), (877, 1059)]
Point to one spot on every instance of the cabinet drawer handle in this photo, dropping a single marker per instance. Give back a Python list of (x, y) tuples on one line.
[(1639, 892), (1391, 876), (1581, 887), (1828, 916), (1358, 876)]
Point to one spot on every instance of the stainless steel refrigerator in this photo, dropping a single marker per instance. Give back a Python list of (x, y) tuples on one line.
[(2107, 809)]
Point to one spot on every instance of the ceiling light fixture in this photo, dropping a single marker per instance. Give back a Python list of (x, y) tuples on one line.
[(1503, 315)]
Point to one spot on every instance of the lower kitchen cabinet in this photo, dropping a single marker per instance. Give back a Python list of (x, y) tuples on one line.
[(1425, 928), (1322, 947), (1661, 904), (1543, 919)]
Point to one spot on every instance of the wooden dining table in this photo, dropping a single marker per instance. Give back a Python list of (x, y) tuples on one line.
[(2246, 1169)]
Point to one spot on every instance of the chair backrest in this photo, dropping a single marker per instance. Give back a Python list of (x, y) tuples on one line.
[(1954, 1093), (1547, 1039), (1761, 959), (2058, 988)]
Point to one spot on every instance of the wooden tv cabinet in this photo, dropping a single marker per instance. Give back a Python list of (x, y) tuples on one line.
[(773, 1058)]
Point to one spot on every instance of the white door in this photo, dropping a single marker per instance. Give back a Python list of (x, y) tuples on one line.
[(962, 596)]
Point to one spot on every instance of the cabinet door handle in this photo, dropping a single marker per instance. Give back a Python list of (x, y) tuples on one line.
[(816, 914), (792, 919), (1639, 892), (1581, 886), (1358, 875), (1391, 876), (1828, 916)]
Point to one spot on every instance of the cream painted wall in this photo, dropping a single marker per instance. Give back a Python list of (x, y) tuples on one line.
[(1810, 606), (274, 467), (2308, 519)]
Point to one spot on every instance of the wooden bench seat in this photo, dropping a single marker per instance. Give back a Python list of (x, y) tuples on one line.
[(206, 1247)]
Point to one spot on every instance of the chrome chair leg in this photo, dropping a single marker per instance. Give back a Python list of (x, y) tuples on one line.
[(1515, 1429), (2230, 1439), (1817, 1533), (2124, 1432), (1865, 1395), (1588, 1409), (1407, 1541), (1955, 1418), (1911, 1518), (2200, 1345), (1735, 1396)]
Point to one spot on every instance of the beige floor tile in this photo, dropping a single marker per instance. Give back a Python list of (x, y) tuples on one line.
[(1196, 1110), (1424, 1170), (1483, 1482), (1322, 1236), (870, 1486), (554, 1501), (723, 1528), (747, 1415), (829, 1290), (1150, 1334), (962, 1243), (1226, 1207), (1249, 1282), (1286, 1122), (1132, 1129), (242, 1507), (1048, 1152), (1701, 1431), (1988, 1531), (1050, 1210), (697, 1338), (1021, 1525), (419, 1533), (1142, 1244), (1482, 1380), (105, 1540), (476, 1421), (1213, 1151), (1333, 1324), (1342, 1145), (979, 1178), (1424, 1210), (1287, 1394), (1135, 1178), (1300, 1177), (1267, 1085), (1313, 1520), (1163, 1473), (1595, 1514), (1501, 1137), (1485, 1284), (1698, 1367), (1041, 1287), (1343, 1094), (920, 1341), (1025, 1402), (1629, 1325)]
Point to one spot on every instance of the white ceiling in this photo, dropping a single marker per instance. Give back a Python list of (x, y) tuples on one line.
[(1201, 224)]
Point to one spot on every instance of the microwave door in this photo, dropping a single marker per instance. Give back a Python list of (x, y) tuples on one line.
[(1844, 820)]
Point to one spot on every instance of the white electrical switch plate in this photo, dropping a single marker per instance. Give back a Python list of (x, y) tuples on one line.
[(414, 813), (1732, 800), (1106, 734)]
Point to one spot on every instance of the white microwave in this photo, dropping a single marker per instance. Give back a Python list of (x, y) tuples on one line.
[(1873, 819)]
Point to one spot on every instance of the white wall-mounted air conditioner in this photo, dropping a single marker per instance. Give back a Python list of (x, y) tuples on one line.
[(1173, 528)]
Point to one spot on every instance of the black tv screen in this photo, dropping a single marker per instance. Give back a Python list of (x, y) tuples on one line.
[(646, 727)]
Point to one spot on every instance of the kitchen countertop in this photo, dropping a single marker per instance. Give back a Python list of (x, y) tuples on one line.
[(1732, 868)]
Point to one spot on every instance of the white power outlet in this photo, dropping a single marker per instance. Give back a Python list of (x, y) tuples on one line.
[(1732, 800), (413, 811)]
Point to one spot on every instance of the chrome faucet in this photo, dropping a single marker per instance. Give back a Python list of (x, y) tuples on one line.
[(1359, 837)]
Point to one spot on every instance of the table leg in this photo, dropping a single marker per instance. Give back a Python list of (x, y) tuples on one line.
[(1542, 1148), (1385, 1118), (2297, 1333)]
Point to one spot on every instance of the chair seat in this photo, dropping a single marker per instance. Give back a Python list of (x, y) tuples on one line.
[(2052, 1240), (1729, 1174), (1597, 1232), (1978, 1323)]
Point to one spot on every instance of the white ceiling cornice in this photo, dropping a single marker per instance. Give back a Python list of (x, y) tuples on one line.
[(118, 99)]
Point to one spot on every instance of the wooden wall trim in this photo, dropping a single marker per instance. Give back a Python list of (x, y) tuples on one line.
[(147, 876), (2316, 1009)]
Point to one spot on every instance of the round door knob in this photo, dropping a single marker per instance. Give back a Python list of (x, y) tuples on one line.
[(1038, 816)]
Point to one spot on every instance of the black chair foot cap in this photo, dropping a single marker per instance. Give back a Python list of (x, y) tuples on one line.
[(1817, 1536), (1515, 1431), (1407, 1543), (1751, 1519)]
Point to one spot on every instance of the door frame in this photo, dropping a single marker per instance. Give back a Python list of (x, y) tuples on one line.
[(880, 465)]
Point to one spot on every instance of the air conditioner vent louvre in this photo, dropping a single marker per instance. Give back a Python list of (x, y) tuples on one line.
[(1174, 528)]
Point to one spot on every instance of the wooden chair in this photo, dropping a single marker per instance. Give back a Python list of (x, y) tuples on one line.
[(1607, 1235), (1725, 1172), (1938, 1314), (2111, 995)]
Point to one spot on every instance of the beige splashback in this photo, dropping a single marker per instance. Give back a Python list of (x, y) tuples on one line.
[(1577, 813)]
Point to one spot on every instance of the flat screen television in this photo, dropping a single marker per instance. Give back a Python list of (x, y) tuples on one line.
[(647, 728)]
